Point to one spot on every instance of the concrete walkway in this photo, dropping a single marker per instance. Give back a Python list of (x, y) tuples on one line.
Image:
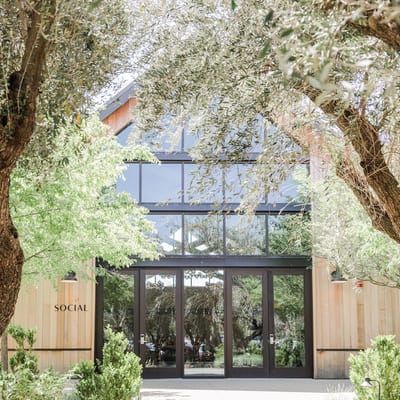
[(246, 389)]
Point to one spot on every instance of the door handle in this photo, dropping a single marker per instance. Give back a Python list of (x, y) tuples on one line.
[(142, 338), (271, 338)]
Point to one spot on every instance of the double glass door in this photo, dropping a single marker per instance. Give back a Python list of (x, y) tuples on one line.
[(228, 323), (269, 329)]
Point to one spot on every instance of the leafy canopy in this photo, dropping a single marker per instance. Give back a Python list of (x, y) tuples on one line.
[(70, 212), (287, 78)]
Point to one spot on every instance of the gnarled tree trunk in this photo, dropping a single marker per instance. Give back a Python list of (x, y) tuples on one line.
[(11, 255), (17, 125)]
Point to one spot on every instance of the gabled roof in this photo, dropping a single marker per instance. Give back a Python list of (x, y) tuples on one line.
[(117, 101)]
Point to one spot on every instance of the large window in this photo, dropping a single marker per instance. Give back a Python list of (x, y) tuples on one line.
[(193, 221), (245, 235), (203, 234), (216, 234), (161, 183), (169, 232)]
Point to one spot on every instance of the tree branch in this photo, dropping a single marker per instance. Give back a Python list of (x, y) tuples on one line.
[(364, 139), (27, 81), (379, 24), (378, 27)]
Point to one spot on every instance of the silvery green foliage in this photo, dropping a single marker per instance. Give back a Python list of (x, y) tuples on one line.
[(86, 46), (227, 69), (343, 234), (67, 210)]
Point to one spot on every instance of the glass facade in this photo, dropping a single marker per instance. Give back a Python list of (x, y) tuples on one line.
[(195, 214), (215, 304)]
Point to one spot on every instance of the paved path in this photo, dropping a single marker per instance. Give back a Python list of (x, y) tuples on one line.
[(246, 389)]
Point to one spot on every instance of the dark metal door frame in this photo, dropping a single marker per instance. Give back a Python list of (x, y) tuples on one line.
[(268, 369), (241, 372), (161, 372), (305, 371)]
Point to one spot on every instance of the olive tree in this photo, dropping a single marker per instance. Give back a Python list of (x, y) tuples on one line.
[(54, 55), (282, 77)]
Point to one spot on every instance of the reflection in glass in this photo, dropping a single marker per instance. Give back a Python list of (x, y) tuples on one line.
[(204, 322), (123, 136), (245, 235), (288, 190), (289, 321), (247, 322), (203, 234), (235, 182), (202, 185), (169, 232), (168, 141), (118, 305), (160, 321), (190, 139), (130, 181), (161, 183), (289, 234)]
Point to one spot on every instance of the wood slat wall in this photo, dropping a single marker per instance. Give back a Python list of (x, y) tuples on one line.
[(346, 318), (63, 337)]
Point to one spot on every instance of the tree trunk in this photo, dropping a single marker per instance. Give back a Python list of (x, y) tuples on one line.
[(11, 255), (4, 351), (16, 130)]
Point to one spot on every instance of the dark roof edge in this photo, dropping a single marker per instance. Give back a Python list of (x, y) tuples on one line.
[(117, 101)]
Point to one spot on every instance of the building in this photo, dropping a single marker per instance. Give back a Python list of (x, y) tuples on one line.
[(231, 298)]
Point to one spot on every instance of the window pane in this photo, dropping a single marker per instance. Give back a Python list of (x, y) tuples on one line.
[(130, 181), (123, 136), (288, 304), (289, 234), (118, 305), (288, 190), (235, 177), (201, 186), (190, 140), (247, 321), (203, 234), (161, 183), (169, 141), (245, 235), (204, 322), (169, 232), (160, 321)]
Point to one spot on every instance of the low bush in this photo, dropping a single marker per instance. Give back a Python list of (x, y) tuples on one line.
[(119, 376), (380, 363), (24, 381)]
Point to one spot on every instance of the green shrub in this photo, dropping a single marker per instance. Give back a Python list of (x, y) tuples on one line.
[(86, 386), (381, 363), (119, 373), (24, 384), (23, 357), (24, 381)]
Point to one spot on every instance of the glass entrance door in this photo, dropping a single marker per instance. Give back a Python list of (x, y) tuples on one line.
[(290, 325), (159, 334), (232, 323), (203, 324), (267, 328)]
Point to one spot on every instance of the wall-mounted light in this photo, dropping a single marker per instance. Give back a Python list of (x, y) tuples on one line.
[(70, 277), (337, 277), (368, 384)]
